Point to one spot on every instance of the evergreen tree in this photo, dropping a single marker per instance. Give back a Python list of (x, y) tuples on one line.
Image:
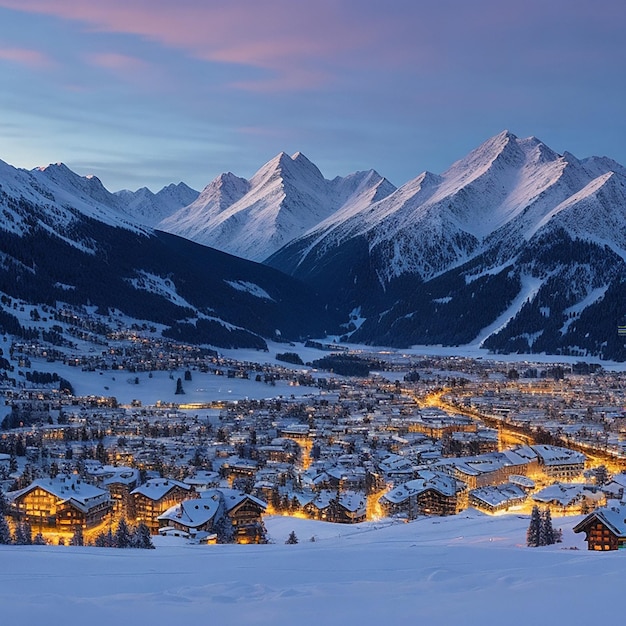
[(534, 528), (224, 529), (122, 537), (5, 532), (39, 540), (141, 537), (78, 539), (23, 534), (602, 475), (3, 503), (100, 541), (546, 532), (292, 539), (179, 387)]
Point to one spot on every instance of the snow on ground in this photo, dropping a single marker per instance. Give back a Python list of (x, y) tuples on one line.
[(204, 387), (470, 569)]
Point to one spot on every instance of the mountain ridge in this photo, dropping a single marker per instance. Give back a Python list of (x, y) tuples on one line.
[(513, 246)]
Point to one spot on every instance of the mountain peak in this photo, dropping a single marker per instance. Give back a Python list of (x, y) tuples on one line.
[(53, 167)]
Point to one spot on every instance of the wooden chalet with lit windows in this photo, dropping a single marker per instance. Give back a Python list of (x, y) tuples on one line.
[(244, 512), (433, 493), (62, 503), (155, 497), (605, 529), (193, 516)]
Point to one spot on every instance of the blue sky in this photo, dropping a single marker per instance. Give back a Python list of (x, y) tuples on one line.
[(148, 92)]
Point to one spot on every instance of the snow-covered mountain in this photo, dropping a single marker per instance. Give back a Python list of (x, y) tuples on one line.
[(446, 258), (284, 199), (150, 208), (63, 196), (514, 247), (506, 190), (65, 239)]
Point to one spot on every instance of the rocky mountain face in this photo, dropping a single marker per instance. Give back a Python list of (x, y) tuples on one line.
[(66, 239), (515, 247), (285, 198), (150, 208)]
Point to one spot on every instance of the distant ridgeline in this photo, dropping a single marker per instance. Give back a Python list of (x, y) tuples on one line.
[(515, 248)]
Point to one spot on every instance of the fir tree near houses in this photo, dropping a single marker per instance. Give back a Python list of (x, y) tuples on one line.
[(292, 539), (540, 531), (5, 531)]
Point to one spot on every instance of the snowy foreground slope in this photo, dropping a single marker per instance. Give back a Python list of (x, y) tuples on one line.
[(470, 569)]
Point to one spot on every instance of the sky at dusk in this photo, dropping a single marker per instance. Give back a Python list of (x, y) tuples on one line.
[(148, 92)]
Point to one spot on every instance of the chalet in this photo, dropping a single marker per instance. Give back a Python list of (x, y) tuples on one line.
[(561, 463), (350, 508), (616, 487), (244, 512), (321, 506), (202, 480), (119, 482), (394, 466), (155, 496), (605, 529), (433, 493), (495, 498), (486, 469), (194, 516), (62, 503), (571, 496)]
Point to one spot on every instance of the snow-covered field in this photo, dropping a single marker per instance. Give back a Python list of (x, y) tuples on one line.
[(470, 569), (204, 387)]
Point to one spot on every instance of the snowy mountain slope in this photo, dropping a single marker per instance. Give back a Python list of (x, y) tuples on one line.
[(62, 199), (507, 186), (444, 258), (84, 193), (60, 242), (190, 221), (150, 208), (284, 199)]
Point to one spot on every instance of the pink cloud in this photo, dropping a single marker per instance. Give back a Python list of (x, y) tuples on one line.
[(31, 58), (282, 36), (129, 69), (117, 62)]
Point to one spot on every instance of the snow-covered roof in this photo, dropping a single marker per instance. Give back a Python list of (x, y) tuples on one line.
[(234, 497), (353, 501), (522, 481), (483, 463), (193, 513), (67, 488), (441, 483), (620, 479), (202, 478), (156, 488), (496, 495), (555, 455), (112, 474), (613, 517), (566, 494)]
